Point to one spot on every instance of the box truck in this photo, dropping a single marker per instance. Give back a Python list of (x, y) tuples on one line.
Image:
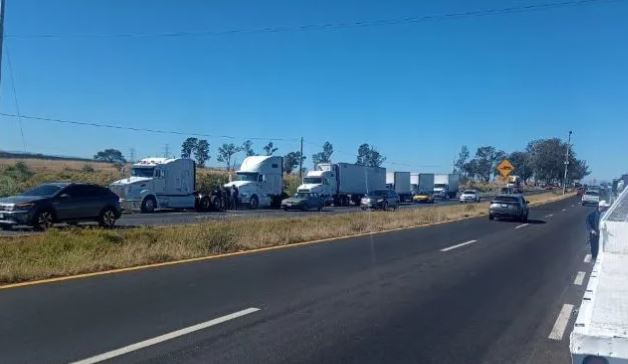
[(341, 183), (426, 183), (446, 185), (414, 182), (160, 183), (400, 183)]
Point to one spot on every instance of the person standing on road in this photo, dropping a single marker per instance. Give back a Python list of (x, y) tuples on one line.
[(236, 197), (593, 227)]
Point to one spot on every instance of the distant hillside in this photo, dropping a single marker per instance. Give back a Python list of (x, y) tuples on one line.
[(18, 155)]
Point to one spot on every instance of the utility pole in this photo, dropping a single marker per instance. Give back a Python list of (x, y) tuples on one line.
[(301, 162), (132, 155), (1, 35), (566, 162), (166, 150)]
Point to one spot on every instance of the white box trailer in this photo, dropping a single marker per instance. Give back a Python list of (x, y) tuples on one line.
[(343, 182), (400, 183), (160, 183), (600, 333), (426, 183)]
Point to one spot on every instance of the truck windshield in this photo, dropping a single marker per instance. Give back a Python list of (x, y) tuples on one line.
[(316, 180), (243, 176), (142, 172)]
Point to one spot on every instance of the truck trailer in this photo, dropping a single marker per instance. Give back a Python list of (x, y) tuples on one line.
[(400, 183), (341, 183), (446, 185)]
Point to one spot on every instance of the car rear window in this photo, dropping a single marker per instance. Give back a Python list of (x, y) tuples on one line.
[(592, 193), (506, 199)]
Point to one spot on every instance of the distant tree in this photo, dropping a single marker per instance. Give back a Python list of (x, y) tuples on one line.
[(369, 156), (485, 161), (226, 152), (578, 169), (463, 157), (521, 162), (247, 148), (270, 148), (201, 152), (325, 155), (547, 159), (291, 161), (188, 147), (111, 156)]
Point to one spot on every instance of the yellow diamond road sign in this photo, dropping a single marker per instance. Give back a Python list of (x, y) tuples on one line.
[(505, 168)]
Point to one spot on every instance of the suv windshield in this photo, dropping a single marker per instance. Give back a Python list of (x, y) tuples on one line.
[(142, 172), (43, 190)]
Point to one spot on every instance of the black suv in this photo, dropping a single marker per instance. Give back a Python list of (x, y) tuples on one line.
[(49, 203)]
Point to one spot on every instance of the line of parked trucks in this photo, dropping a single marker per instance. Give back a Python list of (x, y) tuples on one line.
[(160, 183)]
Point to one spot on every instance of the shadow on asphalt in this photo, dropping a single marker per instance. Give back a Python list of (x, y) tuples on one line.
[(530, 221)]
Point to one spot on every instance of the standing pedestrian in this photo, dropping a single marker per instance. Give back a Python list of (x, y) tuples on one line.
[(228, 198), (593, 227), (236, 197)]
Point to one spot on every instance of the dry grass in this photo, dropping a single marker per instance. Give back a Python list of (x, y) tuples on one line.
[(73, 251), (56, 166)]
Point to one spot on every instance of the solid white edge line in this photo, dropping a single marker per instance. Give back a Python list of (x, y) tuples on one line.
[(521, 226), (587, 258), (165, 337), (458, 245), (579, 278), (561, 322)]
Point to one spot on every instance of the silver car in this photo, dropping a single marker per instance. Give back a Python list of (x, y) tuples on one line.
[(469, 196), (509, 206)]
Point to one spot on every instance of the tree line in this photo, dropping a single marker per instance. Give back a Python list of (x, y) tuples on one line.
[(542, 160)]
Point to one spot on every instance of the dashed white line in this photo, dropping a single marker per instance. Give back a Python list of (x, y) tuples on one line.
[(579, 278), (587, 258), (564, 210), (549, 215), (169, 336), (521, 226), (561, 322), (458, 245)]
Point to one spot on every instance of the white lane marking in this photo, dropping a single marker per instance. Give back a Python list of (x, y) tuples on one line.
[(587, 258), (564, 210), (549, 215), (561, 322), (579, 278), (165, 337), (458, 245), (521, 226)]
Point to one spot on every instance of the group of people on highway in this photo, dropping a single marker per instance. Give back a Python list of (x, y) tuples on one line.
[(226, 198)]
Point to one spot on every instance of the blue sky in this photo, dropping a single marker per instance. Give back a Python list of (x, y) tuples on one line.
[(417, 91)]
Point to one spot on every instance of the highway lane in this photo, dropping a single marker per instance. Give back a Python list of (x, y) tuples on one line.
[(395, 297)]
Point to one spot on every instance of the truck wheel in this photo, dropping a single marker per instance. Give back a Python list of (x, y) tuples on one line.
[(149, 204), (254, 204), (204, 204), (491, 217), (5, 227), (107, 218), (385, 206), (43, 220)]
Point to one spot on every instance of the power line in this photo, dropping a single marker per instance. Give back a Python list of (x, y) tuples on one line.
[(329, 26), (17, 105), (147, 130)]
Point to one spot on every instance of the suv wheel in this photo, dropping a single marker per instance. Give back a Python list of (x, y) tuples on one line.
[(43, 220), (107, 218)]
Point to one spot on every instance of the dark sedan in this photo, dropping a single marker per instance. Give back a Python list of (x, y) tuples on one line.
[(509, 206), (50, 203), (382, 199), (304, 201)]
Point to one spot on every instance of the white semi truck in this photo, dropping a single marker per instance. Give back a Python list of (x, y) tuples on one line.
[(400, 183), (260, 181), (343, 182), (446, 185), (600, 333), (160, 183)]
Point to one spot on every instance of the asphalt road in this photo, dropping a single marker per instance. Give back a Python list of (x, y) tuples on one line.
[(472, 291)]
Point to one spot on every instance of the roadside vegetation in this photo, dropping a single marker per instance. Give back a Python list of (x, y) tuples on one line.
[(62, 252)]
